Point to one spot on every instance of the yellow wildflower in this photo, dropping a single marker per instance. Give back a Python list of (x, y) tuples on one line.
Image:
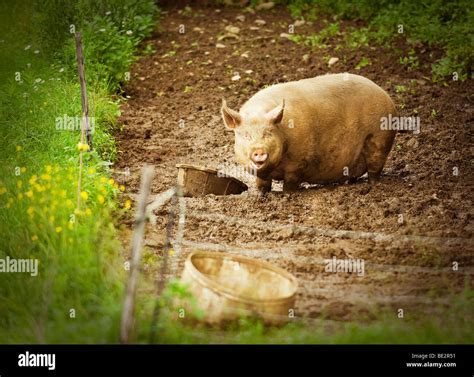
[(84, 195), (91, 170), (111, 181), (29, 194), (82, 147), (34, 237), (59, 229), (23, 169), (128, 204), (101, 199), (88, 212), (33, 179), (45, 177), (30, 211), (49, 168), (19, 184)]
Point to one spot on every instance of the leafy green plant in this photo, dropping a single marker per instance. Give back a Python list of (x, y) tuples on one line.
[(363, 62), (411, 60)]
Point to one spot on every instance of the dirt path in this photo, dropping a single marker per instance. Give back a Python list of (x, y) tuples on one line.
[(173, 117)]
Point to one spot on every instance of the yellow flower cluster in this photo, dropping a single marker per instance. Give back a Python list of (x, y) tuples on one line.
[(48, 199)]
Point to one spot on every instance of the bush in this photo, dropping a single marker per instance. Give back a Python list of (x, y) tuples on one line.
[(111, 31)]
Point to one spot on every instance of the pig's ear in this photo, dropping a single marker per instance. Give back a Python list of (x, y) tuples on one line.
[(276, 115), (232, 118)]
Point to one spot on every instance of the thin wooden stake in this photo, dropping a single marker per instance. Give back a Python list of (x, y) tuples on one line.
[(82, 80), (85, 126), (136, 248), (164, 266)]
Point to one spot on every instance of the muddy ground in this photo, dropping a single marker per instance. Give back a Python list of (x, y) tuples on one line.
[(172, 116)]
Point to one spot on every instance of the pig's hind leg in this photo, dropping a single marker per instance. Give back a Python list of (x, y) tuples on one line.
[(375, 151)]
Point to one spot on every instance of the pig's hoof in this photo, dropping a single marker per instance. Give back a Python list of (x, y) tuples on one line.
[(291, 187), (374, 179), (365, 190), (263, 191)]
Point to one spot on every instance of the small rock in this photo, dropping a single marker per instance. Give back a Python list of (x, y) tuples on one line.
[(332, 61), (228, 36), (236, 77), (240, 18), (305, 58), (220, 45), (285, 35), (232, 29), (198, 29), (245, 55), (285, 233), (265, 6), (260, 22), (299, 23), (248, 71), (421, 82), (254, 28), (412, 143)]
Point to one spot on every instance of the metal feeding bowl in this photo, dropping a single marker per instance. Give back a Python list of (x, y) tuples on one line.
[(199, 181), (227, 287)]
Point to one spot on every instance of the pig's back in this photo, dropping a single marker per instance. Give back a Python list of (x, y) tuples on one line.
[(325, 105), (324, 93)]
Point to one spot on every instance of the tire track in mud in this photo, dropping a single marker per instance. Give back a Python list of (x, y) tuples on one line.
[(173, 117)]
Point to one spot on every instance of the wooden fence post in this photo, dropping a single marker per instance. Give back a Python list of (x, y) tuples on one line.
[(85, 105), (136, 248)]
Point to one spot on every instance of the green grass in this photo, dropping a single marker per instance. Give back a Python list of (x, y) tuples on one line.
[(78, 293), (454, 325)]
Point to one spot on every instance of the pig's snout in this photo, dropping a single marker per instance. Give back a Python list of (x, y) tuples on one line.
[(258, 157)]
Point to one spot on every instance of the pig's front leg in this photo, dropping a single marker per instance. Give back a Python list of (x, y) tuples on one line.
[(264, 185), (291, 183)]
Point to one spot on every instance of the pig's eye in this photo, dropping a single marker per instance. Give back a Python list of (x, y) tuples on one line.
[(267, 133)]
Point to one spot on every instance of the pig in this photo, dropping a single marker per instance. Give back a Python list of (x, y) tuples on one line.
[(320, 130)]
